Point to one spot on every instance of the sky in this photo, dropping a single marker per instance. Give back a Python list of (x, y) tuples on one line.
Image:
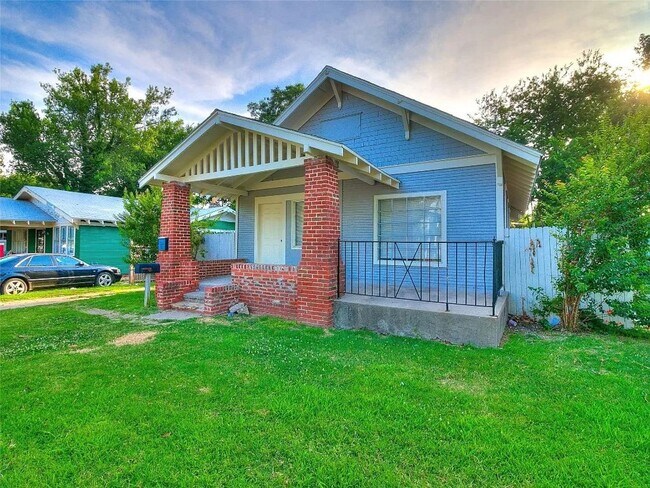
[(226, 54)]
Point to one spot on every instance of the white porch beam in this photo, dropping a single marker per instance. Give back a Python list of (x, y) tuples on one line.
[(289, 163), (200, 183), (219, 189)]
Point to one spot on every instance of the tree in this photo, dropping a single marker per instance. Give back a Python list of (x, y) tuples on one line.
[(550, 111), (92, 136), (139, 225), (643, 51), (268, 109), (604, 209), (12, 183)]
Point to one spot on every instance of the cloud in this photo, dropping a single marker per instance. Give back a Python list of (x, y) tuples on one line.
[(220, 54)]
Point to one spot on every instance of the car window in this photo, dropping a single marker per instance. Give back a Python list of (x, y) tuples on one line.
[(66, 261), (40, 261)]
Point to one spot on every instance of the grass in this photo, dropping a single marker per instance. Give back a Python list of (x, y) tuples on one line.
[(120, 287), (266, 402)]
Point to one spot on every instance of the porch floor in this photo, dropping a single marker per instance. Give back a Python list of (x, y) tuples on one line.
[(215, 281)]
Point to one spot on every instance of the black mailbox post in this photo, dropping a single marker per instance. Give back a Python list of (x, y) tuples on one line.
[(148, 269)]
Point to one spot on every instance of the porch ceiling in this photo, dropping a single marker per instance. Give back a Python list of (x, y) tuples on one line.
[(228, 155)]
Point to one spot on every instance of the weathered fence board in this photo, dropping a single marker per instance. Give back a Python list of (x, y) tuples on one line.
[(530, 261), (219, 245)]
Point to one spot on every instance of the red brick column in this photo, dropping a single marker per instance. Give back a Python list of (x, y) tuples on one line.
[(179, 273), (317, 272)]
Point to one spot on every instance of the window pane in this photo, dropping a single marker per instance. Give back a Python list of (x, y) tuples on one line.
[(41, 261), (411, 219), (66, 261)]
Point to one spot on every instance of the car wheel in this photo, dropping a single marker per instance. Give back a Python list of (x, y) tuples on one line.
[(14, 286), (104, 279)]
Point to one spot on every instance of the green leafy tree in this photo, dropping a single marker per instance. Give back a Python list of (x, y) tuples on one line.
[(550, 111), (643, 51), (12, 183), (139, 225), (268, 109), (92, 136), (604, 207)]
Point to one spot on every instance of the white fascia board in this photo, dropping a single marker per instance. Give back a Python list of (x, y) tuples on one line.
[(462, 126)]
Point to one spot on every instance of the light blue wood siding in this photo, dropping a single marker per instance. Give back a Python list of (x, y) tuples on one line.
[(377, 134), (471, 216), (246, 225)]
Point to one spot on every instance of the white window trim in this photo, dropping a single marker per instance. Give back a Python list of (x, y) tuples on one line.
[(443, 223), (56, 240), (272, 199), (293, 223)]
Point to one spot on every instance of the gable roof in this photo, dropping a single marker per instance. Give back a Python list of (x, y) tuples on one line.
[(20, 211), (75, 206), (288, 118)]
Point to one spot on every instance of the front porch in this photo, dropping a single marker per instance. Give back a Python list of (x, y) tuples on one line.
[(263, 168)]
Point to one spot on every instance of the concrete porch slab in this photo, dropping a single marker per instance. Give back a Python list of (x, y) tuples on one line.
[(424, 320)]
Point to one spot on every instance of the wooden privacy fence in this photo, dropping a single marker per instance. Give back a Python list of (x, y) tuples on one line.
[(218, 245), (530, 261)]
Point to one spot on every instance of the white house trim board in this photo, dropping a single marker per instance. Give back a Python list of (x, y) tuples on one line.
[(500, 196), (443, 223), (462, 162), (272, 199)]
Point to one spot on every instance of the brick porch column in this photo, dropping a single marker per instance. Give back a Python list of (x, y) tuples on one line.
[(317, 272), (179, 273)]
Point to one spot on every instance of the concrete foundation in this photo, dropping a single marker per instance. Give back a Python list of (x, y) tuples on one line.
[(424, 320)]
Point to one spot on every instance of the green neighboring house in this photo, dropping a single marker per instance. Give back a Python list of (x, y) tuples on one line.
[(79, 224)]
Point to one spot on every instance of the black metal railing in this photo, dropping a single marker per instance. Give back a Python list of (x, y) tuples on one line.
[(449, 272)]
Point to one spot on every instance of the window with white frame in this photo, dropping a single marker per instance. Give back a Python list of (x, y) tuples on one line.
[(410, 226), (63, 240), (297, 219)]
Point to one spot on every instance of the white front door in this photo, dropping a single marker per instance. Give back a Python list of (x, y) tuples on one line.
[(270, 233)]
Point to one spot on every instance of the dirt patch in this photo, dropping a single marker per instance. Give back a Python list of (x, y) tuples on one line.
[(134, 338), (205, 390), (83, 350), (116, 316)]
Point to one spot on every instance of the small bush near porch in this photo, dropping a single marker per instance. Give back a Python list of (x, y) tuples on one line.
[(265, 402)]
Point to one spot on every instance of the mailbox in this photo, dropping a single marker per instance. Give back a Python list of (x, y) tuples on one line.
[(163, 243), (147, 268)]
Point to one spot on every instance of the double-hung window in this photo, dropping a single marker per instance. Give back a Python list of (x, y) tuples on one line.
[(410, 227)]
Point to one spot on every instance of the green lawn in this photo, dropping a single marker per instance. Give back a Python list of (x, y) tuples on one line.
[(84, 291), (258, 402)]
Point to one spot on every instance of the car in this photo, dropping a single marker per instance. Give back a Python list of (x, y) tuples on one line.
[(20, 273)]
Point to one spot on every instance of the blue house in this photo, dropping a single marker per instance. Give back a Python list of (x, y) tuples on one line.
[(414, 218)]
